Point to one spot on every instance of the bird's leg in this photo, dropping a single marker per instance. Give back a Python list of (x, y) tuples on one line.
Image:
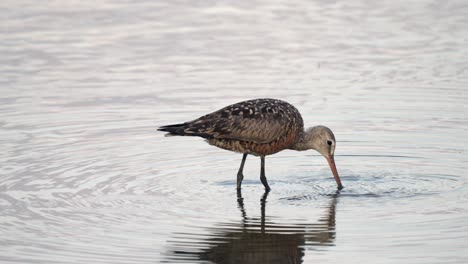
[(240, 175), (262, 174)]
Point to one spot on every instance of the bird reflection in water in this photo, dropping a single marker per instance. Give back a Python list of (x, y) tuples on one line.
[(257, 241)]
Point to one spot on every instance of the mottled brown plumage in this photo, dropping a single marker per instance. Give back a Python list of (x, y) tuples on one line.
[(259, 127)]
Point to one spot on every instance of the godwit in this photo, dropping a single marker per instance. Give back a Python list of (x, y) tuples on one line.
[(259, 127)]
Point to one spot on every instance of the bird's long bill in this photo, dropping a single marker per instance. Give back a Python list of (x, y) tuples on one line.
[(331, 162)]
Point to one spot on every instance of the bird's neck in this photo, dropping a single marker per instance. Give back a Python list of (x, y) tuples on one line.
[(304, 142)]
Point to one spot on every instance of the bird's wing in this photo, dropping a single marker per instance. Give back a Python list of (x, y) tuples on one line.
[(254, 121)]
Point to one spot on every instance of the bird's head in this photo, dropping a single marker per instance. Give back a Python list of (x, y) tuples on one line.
[(321, 139)]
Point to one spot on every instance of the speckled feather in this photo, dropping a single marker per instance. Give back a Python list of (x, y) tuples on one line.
[(259, 126)]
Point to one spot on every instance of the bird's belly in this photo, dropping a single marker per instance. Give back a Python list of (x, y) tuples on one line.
[(257, 149)]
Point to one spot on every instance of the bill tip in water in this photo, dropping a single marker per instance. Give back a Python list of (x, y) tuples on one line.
[(340, 187)]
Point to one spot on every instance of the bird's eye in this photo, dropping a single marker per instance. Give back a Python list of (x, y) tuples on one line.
[(329, 142)]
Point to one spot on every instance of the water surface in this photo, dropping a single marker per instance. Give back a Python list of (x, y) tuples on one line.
[(85, 177)]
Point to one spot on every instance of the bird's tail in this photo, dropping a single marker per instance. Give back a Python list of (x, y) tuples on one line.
[(174, 130), (192, 128)]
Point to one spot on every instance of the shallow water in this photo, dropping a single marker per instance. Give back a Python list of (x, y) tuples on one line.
[(85, 178)]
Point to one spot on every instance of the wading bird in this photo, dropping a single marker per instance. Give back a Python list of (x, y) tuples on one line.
[(259, 127)]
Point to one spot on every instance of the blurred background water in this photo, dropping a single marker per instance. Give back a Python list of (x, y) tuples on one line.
[(85, 177)]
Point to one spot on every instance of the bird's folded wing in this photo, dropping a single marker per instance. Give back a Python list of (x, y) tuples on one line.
[(258, 130)]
